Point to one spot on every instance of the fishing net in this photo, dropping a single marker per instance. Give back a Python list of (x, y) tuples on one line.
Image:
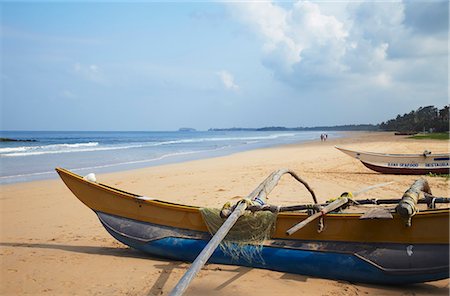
[(246, 238)]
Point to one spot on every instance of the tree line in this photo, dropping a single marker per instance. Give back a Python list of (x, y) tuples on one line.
[(424, 119), (348, 127)]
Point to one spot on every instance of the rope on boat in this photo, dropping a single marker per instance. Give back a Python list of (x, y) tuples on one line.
[(418, 193), (407, 207), (260, 194)]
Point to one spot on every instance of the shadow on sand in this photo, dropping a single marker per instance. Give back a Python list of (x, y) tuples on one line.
[(107, 251), (170, 265)]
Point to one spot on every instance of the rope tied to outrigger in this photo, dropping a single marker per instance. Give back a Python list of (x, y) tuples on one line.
[(256, 224), (261, 193), (259, 196), (407, 207)]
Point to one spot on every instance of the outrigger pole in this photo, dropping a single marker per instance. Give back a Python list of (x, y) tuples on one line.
[(259, 195), (336, 204), (206, 253), (257, 200)]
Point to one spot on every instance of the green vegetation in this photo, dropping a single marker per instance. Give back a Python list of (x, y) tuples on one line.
[(446, 176), (348, 127), (424, 119), (433, 136)]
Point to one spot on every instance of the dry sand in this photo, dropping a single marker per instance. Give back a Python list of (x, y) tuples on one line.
[(51, 244)]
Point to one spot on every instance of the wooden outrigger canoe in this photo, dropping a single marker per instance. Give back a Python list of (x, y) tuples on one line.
[(402, 164), (348, 248)]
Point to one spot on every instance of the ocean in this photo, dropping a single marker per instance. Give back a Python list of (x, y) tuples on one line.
[(99, 152)]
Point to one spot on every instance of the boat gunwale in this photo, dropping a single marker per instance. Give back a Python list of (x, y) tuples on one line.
[(195, 209), (127, 195), (395, 155)]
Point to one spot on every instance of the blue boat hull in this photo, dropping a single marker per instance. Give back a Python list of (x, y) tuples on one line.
[(366, 263)]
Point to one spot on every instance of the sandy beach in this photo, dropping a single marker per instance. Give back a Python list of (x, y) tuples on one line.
[(51, 244)]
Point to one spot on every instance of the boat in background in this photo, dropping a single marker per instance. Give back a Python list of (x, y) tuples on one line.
[(379, 251), (402, 164)]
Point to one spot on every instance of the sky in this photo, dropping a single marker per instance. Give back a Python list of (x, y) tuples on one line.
[(165, 65)]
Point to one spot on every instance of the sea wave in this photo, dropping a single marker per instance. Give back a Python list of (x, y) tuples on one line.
[(95, 146), (51, 147), (45, 149), (164, 156), (161, 157), (221, 139)]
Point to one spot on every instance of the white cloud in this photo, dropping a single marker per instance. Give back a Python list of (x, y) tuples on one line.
[(91, 72), (310, 43), (228, 80), (288, 35)]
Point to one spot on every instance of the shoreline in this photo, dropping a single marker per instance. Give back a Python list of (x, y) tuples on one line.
[(51, 244), (121, 164)]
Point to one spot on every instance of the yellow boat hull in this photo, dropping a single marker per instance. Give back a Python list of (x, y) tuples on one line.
[(371, 251), (430, 226)]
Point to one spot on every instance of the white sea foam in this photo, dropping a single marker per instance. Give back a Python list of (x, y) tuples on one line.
[(51, 147), (174, 154), (164, 156), (13, 149), (139, 151), (47, 149), (217, 139), (94, 146)]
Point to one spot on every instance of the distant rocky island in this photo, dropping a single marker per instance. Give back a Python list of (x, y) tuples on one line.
[(16, 140), (186, 129)]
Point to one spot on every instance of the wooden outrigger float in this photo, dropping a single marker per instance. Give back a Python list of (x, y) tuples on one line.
[(410, 246), (402, 164)]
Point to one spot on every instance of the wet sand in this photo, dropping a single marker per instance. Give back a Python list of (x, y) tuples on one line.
[(51, 244)]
